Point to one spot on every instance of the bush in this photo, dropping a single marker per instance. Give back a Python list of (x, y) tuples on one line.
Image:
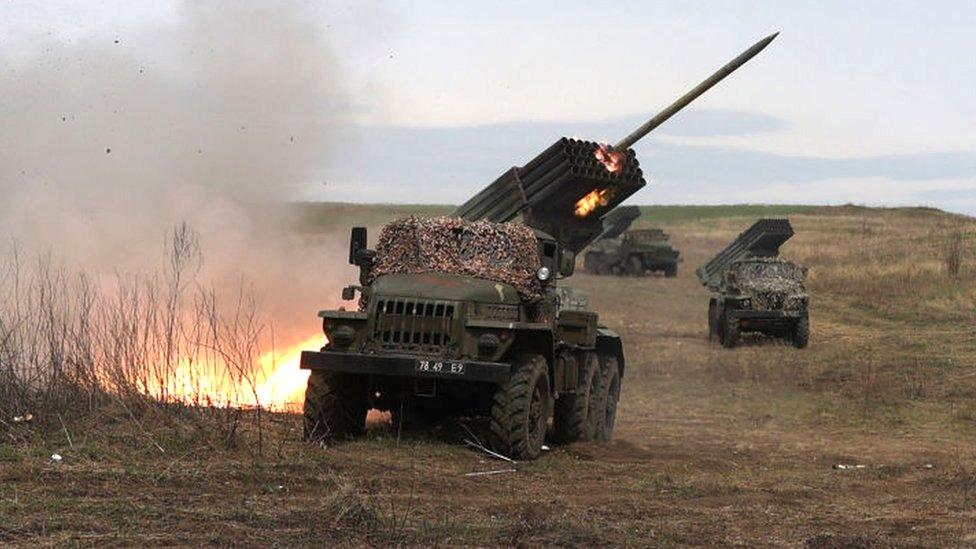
[(953, 253), (70, 346)]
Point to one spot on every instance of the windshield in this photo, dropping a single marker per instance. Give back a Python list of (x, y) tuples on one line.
[(767, 269), (647, 236)]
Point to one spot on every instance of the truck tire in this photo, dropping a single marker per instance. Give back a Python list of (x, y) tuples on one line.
[(573, 420), (635, 266), (801, 332), (596, 263), (331, 409), (671, 271), (609, 395), (520, 410), (591, 263), (713, 334), (730, 335)]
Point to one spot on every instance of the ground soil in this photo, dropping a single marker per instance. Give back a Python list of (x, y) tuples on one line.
[(849, 443)]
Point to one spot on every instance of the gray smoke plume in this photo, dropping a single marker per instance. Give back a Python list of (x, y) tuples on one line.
[(107, 143)]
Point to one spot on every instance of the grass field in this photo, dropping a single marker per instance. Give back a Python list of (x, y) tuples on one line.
[(712, 447)]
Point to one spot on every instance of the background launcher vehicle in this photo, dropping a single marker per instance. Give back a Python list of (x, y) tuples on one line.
[(462, 315), (753, 290), (619, 251)]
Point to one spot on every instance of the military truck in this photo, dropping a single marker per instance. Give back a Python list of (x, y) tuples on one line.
[(621, 252), (434, 336), (465, 315), (754, 290)]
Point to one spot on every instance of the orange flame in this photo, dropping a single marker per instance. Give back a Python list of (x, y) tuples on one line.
[(596, 197), (277, 383), (612, 160)]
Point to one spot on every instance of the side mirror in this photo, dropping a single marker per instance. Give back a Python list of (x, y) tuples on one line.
[(357, 242), (349, 293), (567, 263)]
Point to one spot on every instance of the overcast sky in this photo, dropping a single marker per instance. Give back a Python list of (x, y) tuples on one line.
[(865, 102)]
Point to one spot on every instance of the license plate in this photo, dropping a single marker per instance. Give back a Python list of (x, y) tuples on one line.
[(440, 367)]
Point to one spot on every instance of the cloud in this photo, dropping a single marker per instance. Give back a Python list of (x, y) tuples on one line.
[(449, 164)]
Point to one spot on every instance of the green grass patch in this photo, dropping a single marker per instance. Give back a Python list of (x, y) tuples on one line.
[(663, 484), (8, 453), (671, 214)]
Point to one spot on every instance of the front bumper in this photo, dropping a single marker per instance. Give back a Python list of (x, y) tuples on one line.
[(753, 320), (773, 314), (405, 366)]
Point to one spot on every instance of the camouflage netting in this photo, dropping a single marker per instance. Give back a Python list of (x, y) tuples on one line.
[(771, 282), (506, 253)]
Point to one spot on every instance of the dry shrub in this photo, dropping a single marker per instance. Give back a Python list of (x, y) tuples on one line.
[(953, 253), (144, 344)]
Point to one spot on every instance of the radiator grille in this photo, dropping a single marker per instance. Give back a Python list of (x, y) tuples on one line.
[(413, 324)]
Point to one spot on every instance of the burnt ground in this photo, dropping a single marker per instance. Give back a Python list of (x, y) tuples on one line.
[(712, 446)]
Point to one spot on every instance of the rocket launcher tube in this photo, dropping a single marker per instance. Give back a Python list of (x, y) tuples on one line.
[(762, 239), (684, 100)]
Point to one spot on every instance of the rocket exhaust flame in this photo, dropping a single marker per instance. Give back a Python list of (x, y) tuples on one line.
[(590, 202), (276, 383), (611, 159)]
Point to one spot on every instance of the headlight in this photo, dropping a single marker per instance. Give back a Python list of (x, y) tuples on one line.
[(745, 303), (342, 337), (488, 345), (543, 273)]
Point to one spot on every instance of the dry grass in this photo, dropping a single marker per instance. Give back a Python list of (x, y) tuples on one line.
[(72, 347), (713, 447)]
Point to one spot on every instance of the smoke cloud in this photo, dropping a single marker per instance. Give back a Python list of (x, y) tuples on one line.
[(107, 143)]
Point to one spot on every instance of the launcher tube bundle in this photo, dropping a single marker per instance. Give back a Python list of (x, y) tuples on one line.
[(619, 220), (568, 189), (563, 191), (762, 239)]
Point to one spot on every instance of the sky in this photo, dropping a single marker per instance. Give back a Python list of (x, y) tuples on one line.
[(868, 102)]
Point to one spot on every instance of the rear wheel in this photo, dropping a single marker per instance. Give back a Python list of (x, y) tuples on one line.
[(801, 332), (609, 396), (589, 263), (730, 335), (573, 419), (635, 266), (520, 411), (334, 407)]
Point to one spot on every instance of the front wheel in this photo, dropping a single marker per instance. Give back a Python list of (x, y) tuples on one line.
[(671, 271), (730, 335), (520, 411), (713, 333), (801, 333), (635, 266), (334, 407), (595, 263)]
